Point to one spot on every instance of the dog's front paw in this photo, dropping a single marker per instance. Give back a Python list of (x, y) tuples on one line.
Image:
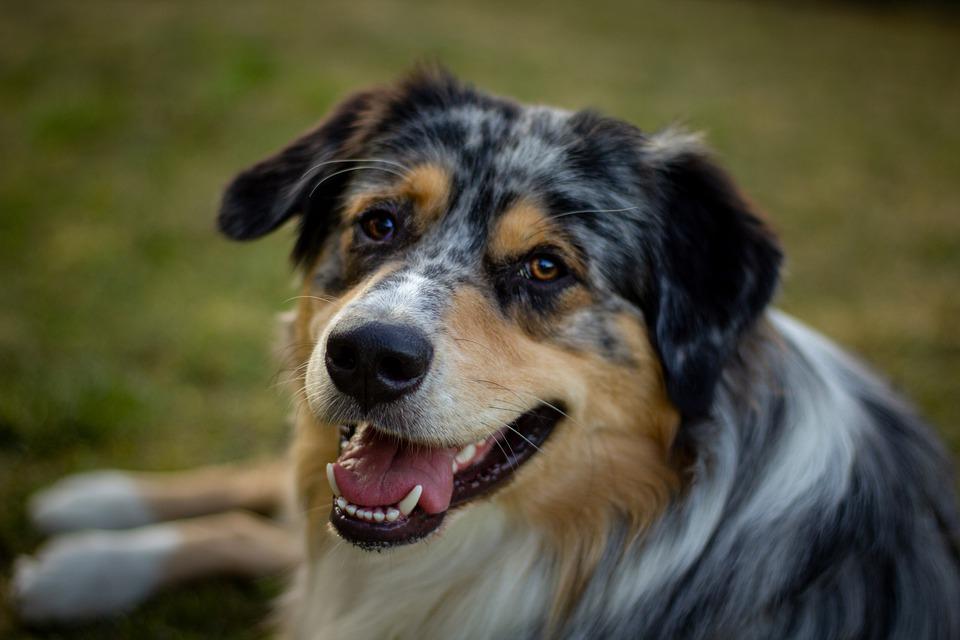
[(94, 500), (94, 574)]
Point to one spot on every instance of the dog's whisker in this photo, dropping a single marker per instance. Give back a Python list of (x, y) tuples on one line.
[(320, 165), (479, 344), (511, 428), (496, 440), (513, 454), (305, 297), (291, 374), (531, 395), (540, 226), (342, 171), (573, 213)]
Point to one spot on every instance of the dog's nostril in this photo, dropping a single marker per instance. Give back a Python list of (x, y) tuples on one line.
[(341, 355), (401, 368), (392, 369)]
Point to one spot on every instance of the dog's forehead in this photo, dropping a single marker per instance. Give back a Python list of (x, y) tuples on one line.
[(496, 155), (490, 154)]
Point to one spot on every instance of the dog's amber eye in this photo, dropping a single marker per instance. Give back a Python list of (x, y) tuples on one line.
[(378, 224), (543, 268)]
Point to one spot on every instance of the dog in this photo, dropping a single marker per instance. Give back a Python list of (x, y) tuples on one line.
[(541, 394)]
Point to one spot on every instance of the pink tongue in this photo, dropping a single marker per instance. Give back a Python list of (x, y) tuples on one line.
[(378, 470)]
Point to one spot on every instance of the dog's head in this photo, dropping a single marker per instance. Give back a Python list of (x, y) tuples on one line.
[(497, 292)]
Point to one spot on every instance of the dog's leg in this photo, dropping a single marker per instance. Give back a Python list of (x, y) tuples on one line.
[(120, 499), (95, 574)]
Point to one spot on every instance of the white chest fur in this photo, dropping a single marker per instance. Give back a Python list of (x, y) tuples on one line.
[(479, 578)]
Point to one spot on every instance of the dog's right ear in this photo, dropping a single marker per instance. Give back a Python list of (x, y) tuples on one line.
[(266, 195)]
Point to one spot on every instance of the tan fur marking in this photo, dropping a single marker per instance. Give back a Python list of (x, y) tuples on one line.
[(426, 186), (524, 227), (615, 443), (537, 324)]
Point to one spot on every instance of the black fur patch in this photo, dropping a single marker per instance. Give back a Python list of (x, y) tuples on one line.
[(716, 269)]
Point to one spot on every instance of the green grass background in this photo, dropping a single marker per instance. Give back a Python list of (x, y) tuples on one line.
[(131, 335)]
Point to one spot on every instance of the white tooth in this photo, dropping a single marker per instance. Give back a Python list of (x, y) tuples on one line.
[(392, 514), (407, 504), (352, 509), (332, 479), (365, 514), (342, 503), (378, 515), (466, 454), (453, 465)]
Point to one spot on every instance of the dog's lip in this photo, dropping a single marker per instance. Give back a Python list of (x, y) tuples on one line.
[(515, 444)]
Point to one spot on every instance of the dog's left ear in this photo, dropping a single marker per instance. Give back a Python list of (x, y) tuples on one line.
[(716, 269), (263, 197)]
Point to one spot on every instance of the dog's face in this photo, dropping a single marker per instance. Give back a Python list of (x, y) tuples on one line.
[(499, 293)]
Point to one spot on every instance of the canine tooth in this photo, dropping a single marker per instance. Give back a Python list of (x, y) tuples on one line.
[(352, 509), (453, 465), (466, 454), (408, 503), (342, 503), (392, 514), (332, 479), (378, 515)]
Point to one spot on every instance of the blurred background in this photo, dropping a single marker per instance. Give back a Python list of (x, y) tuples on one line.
[(132, 336)]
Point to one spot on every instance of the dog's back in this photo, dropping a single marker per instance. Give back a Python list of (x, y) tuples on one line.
[(820, 507)]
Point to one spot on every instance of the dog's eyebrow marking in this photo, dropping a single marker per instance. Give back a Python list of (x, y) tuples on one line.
[(537, 229), (525, 226), (427, 186), (511, 237)]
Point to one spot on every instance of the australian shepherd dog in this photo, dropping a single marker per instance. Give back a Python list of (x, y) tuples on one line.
[(541, 395)]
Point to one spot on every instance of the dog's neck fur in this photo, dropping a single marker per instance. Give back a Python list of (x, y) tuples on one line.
[(481, 574)]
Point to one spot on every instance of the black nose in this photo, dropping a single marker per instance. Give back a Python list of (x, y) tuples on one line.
[(377, 362)]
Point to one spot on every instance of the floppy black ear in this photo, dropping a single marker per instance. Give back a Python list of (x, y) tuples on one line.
[(266, 195), (716, 270)]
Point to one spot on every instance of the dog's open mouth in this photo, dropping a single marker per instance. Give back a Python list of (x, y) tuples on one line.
[(389, 492)]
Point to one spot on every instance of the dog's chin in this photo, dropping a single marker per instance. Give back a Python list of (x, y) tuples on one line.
[(479, 469)]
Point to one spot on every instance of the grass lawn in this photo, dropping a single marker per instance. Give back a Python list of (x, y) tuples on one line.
[(132, 336)]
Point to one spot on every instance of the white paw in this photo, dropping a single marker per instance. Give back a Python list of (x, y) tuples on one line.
[(95, 500), (94, 574)]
